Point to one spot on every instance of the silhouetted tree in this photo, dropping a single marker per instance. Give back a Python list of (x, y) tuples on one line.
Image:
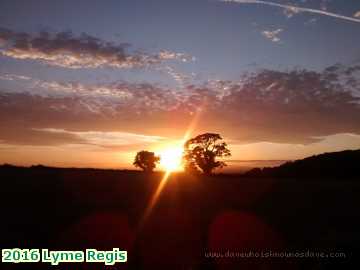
[(201, 152), (190, 167), (146, 160)]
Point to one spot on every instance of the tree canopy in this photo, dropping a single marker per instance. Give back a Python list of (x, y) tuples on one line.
[(201, 152), (146, 160)]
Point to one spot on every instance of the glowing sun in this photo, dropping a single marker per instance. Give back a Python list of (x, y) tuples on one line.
[(170, 159)]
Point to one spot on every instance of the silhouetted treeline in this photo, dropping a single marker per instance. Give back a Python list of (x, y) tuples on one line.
[(344, 164)]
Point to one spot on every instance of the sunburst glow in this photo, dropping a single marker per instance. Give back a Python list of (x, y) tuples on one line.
[(170, 158)]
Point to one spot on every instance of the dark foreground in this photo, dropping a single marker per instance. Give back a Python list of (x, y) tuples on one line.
[(195, 221)]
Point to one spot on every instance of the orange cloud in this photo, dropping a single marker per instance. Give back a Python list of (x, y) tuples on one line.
[(294, 106)]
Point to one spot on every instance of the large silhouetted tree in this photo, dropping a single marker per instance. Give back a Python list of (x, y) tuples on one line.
[(201, 152), (146, 160)]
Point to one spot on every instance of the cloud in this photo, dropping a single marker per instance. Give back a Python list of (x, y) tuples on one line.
[(357, 14), (291, 106), (294, 107), (272, 35), (68, 51), (95, 97), (290, 10), (311, 21), (13, 77), (27, 136), (107, 140), (181, 78)]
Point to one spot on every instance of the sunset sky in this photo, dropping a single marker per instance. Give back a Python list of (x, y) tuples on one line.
[(89, 83)]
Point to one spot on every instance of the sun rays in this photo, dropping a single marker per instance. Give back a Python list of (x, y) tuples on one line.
[(171, 158)]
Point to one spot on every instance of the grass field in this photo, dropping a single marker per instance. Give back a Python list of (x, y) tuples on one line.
[(191, 217)]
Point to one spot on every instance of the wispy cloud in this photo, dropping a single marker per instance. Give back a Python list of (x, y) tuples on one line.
[(66, 50), (310, 21), (108, 139), (181, 78), (290, 12), (272, 35), (292, 9), (14, 77)]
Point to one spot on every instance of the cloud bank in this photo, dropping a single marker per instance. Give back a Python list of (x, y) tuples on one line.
[(291, 106), (66, 50)]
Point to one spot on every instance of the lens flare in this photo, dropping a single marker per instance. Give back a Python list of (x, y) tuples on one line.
[(170, 159)]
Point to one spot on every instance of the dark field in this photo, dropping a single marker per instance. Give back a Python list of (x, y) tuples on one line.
[(70, 209)]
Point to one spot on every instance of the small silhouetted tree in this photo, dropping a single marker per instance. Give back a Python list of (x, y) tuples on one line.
[(201, 152), (146, 160)]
